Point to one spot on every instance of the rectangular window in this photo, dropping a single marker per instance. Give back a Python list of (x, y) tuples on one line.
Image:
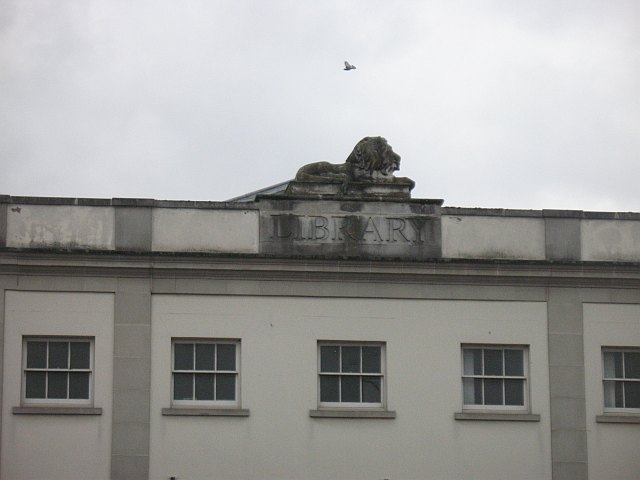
[(350, 374), (621, 379), (57, 370), (494, 377), (205, 372)]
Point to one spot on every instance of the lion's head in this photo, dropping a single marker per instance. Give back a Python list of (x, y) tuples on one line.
[(373, 158)]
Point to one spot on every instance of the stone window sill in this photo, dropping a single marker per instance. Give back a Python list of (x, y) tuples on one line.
[(352, 413), (497, 417), (612, 418), (205, 412), (56, 411)]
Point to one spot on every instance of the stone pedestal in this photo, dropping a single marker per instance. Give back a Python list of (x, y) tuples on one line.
[(399, 188)]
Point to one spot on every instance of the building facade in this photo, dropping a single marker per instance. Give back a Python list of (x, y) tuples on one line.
[(317, 336)]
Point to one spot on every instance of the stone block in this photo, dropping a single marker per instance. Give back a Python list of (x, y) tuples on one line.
[(562, 239), (134, 285), (3, 224), (60, 226), (132, 340), (130, 438), (564, 310), (131, 406), (131, 373), (566, 349), (129, 467), (133, 308), (570, 470), (351, 229), (200, 230), (133, 229), (493, 237), (569, 446), (566, 382), (568, 413)]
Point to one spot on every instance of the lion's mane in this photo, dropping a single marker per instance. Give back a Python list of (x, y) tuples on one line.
[(373, 157)]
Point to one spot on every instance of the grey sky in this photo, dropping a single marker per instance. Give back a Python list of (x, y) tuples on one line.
[(532, 104)]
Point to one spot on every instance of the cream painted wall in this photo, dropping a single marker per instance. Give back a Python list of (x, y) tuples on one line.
[(614, 448), (279, 385), (60, 226), (493, 237), (64, 447), (192, 230)]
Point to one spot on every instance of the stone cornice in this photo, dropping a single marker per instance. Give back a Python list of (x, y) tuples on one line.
[(254, 267)]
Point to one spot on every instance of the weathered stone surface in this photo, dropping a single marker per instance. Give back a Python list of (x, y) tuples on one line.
[(367, 172), (351, 229)]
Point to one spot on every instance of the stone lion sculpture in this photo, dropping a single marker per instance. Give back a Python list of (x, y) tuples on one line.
[(372, 160)]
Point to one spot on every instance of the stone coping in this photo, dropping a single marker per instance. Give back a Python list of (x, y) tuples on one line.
[(197, 204)]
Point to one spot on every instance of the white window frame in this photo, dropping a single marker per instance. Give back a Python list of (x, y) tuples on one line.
[(525, 377), (617, 379), (382, 375), (63, 402), (206, 403)]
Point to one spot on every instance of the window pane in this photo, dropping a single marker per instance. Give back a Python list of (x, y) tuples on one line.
[(35, 385), (183, 356), (514, 363), (183, 386), (371, 391), (493, 362), (329, 359), (350, 389), (469, 391), (79, 385), (632, 394), (205, 356), (57, 385), (351, 359), (58, 355), (371, 360), (329, 389), (225, 387), (514, 392), (493, 392), (204, 386), (478, 385), (619, 387), (609, 364), (472, 361), (609, 394), (631, 364), (613, 364), (226, 356), (80, 355), (36, 354)]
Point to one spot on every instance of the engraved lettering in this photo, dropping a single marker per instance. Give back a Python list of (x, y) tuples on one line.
[(338, 225), (281, 226), (371, 227), (397, 225), (319, 230), (418, 224), (349, 228)]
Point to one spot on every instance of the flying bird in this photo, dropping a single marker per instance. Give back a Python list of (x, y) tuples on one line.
[(348, 66)]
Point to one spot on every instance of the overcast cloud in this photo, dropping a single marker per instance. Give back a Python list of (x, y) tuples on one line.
[(514, 104)]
